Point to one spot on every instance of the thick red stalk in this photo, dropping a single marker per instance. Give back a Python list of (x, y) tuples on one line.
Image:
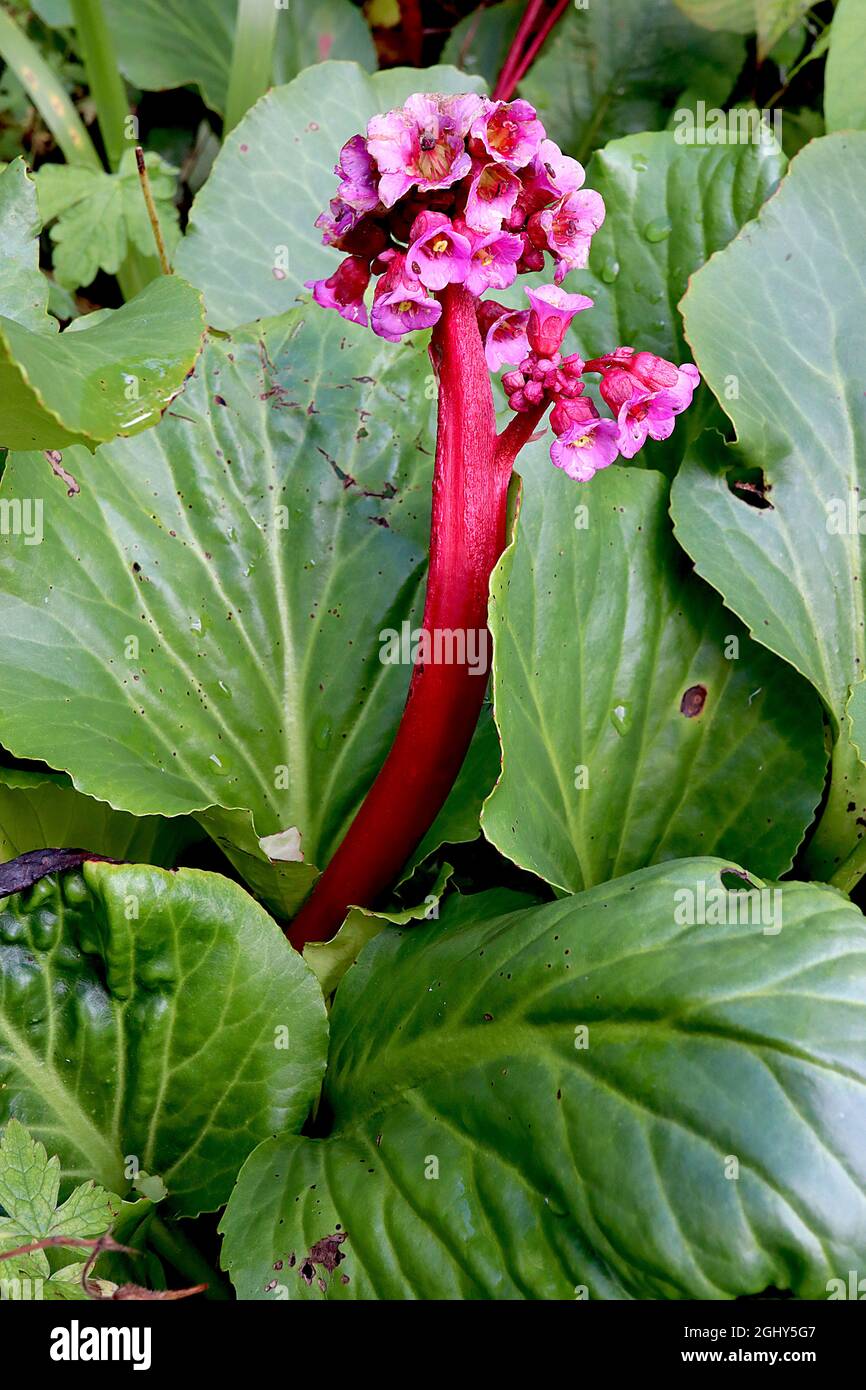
[(468, 534), (504, 87), (535, 46)]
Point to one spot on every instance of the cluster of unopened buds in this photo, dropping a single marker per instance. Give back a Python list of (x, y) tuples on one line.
[(465, 190)]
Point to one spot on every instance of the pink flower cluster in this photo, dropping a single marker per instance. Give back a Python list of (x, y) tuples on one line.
[(465, 190)]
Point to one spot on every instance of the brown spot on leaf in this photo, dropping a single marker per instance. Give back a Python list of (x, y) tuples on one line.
[(693, 701)]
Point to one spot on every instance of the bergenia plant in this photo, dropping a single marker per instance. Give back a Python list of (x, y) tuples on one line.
[(439, 204)]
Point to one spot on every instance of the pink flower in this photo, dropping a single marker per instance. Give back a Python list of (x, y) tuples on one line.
[(569, 227), (652, 412), (510, 132), (401, 303), (335, 223), (358, 175), (506, 340), (652, 372), (550, 316), (493, 263), (422, 144), (555, 173), (438, 254), (570, 411), (585, 448), (493, 192), (344, 290)]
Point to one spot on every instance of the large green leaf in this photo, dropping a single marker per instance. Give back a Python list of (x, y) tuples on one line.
[(638, 720), (153, 1021), (613, 69), (112, 378), (776, 324), (251, 242), (42, 810), (591, 1097), (200, 626), (844, 86)]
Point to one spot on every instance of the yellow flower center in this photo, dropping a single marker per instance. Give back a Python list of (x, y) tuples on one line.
[(440, 245)]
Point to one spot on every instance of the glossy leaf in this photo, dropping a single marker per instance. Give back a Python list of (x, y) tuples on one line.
[(251, 242), (155, 1017), (775, 324), (638, 720), (614, 70), (42, 810), (844, 86), (114, 377), (562, 1102), (263, 537)]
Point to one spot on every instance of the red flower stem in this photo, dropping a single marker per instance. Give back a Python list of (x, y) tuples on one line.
[(468, 534), (504, 86), (533, 50)]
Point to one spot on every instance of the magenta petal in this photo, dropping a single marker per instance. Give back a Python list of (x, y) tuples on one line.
[(440, 255), (492, 195), (585, 448), (510, 132), (506, 341)]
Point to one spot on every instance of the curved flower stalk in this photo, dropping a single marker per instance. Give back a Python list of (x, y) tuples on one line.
[(442, 201)]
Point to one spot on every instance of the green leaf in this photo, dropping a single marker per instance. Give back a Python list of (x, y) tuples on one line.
[(609, 71), (173, 43), (99, 218), (638, 721), (480, 42), (844, 88), (736, 16), (23, 287), (775, 321), (263, 537), (330, 960), (769, 19), (154, 1021), (110, 378), (562, 1102), (251, 242), (42, 810), (29, 1194), (313, 31)]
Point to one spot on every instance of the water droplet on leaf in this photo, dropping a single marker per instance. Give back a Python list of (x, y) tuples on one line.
[(657, 230), (620, 717)]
